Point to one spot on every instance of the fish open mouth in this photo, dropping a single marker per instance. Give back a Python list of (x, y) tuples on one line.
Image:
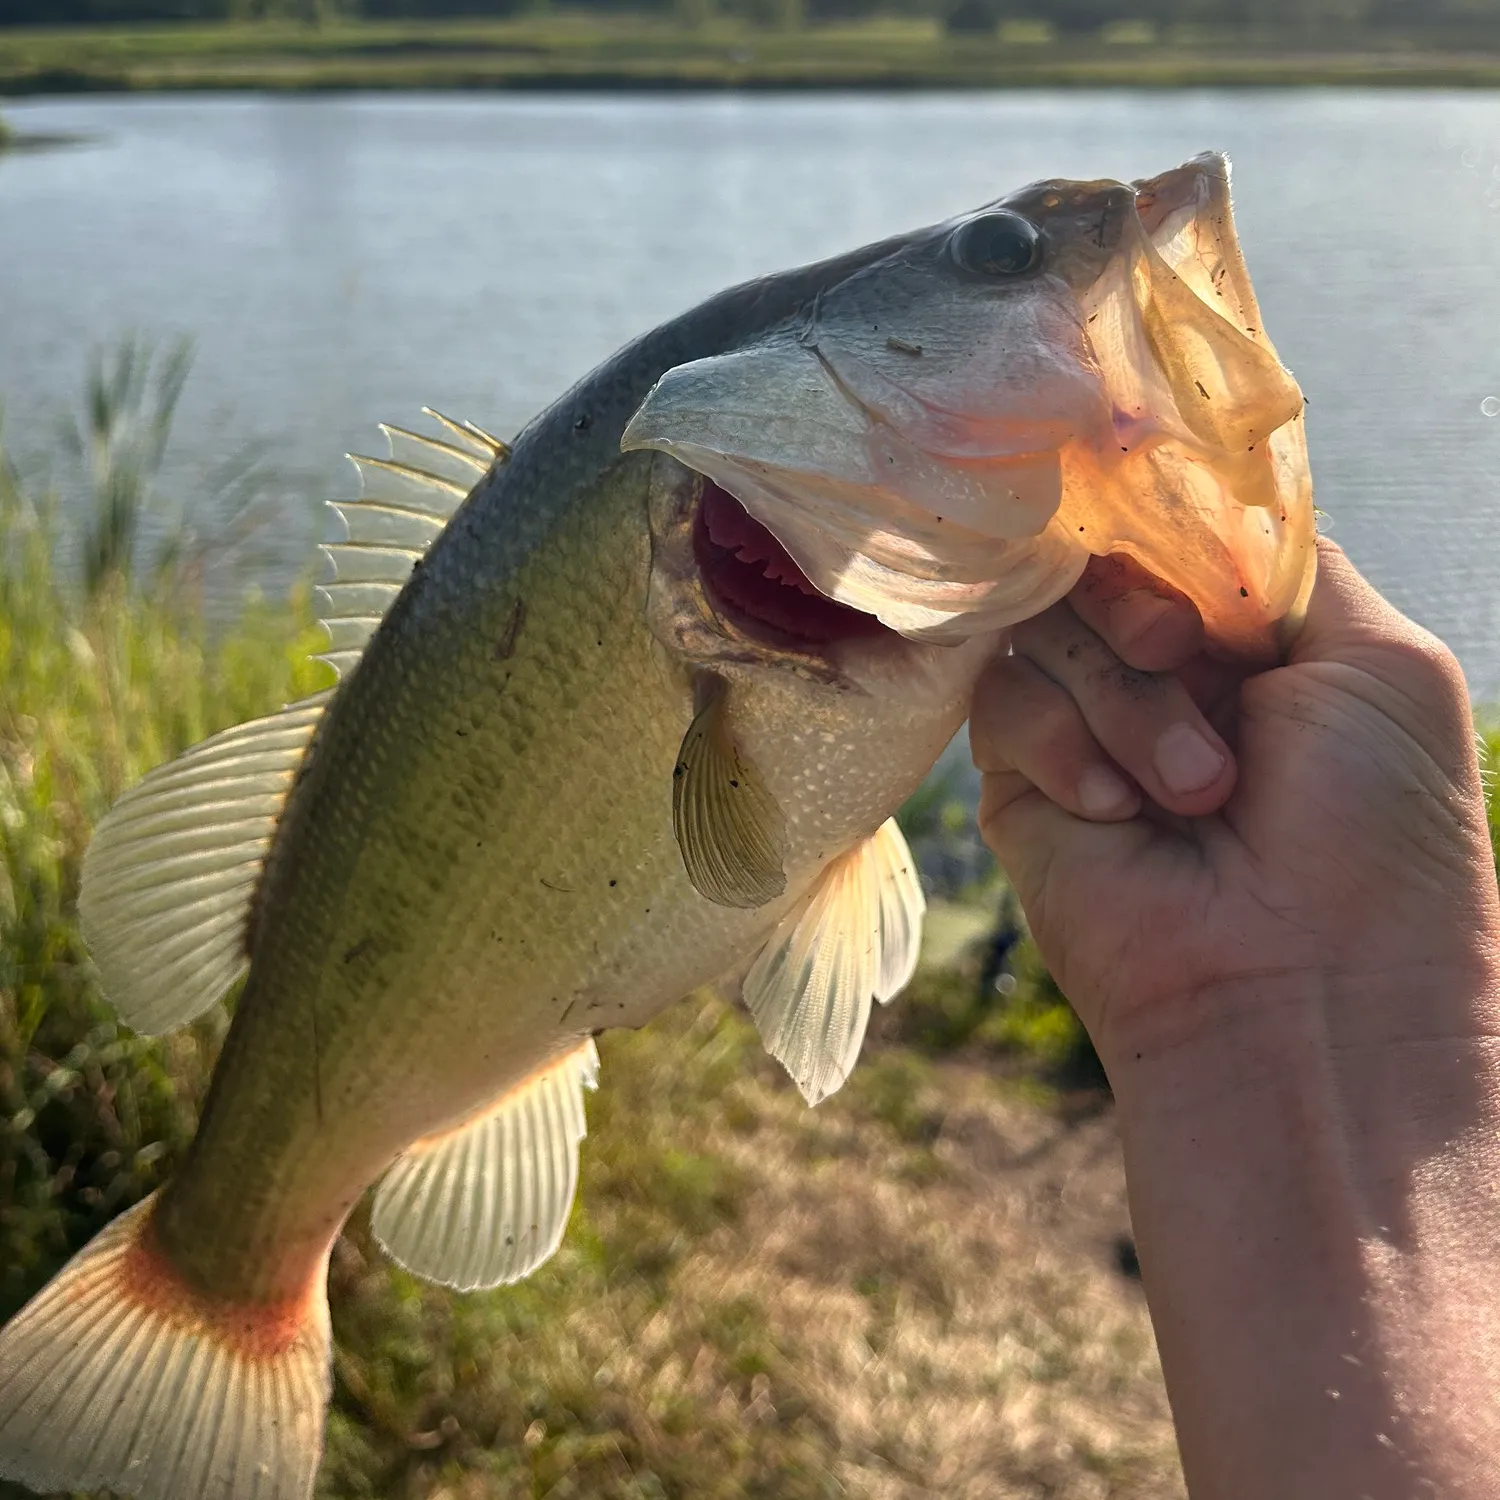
[(753, 582)]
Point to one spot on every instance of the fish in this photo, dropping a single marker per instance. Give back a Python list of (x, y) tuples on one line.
[(625, 708)]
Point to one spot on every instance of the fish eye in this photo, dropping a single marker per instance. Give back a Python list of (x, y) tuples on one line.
[(997, 244)]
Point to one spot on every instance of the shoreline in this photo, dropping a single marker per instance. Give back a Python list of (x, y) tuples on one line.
[(628, 54)]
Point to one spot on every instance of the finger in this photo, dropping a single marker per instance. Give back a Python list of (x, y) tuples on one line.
[(1025, 730), (1148, 623), (1215, 687), (1152, 626), (1023, 830), (1146, 722), (1025, 827)]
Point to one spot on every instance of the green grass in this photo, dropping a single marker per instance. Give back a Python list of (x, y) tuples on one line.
[(1489, 769), (622, 51), (95, 691), (757, 1301)]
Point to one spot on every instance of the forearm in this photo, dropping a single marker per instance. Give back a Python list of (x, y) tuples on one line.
[(1319, 1228)]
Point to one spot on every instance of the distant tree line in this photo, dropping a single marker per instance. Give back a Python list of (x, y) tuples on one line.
[(1285, 15), (1064, 16)]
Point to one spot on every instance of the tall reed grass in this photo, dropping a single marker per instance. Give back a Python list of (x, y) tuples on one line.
[(104, 672)]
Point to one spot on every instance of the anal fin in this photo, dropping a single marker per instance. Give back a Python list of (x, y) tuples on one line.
[(855, 940), (487, 1203)]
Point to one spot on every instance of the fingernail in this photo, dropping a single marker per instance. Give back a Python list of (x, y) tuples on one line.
[(1101, 792), (1185, 761)]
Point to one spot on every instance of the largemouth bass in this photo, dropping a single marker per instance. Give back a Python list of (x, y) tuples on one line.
[(625, 709)]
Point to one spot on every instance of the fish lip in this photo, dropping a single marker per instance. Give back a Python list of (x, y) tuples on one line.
[(1187, 282), (1193, 185)]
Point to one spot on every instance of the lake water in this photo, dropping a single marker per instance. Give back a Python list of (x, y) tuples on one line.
[(341, 260)]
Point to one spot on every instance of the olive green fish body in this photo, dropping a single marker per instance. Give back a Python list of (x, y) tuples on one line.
[(477, 867)]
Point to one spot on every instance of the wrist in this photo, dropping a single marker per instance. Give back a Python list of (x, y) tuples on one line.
[(1222, 1043), (1385, 1072), (1310, 1173)]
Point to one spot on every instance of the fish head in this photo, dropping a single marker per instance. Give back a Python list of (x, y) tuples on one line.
[(943, 435)]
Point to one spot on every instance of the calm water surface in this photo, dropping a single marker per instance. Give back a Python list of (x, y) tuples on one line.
[(343, 260)]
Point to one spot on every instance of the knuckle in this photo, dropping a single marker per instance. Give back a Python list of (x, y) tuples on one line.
[(996, 795), (1427, 670), (1435, 657), (1118, 679), (996, 683), (989, 816), (993, 710), (1056, 722), (1041, 630)]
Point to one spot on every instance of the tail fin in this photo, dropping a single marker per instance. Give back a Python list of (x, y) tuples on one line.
[(118, 1376)]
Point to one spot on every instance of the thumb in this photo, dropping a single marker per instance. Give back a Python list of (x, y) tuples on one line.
[(1381, 656), (1346, 616)]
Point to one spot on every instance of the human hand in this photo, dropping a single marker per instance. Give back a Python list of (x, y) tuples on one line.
[(1272, 900), (1175, 830)]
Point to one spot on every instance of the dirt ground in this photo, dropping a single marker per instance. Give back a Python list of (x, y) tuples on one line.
[(976, 1330)]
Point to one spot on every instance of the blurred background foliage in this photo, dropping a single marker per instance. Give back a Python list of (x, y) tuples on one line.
[(1064, 15), (752, 1299), (57, 46), (1052, 17)]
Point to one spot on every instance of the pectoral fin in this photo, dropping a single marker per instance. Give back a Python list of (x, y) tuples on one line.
[(728, 826), (855, 941), (487, 1203)]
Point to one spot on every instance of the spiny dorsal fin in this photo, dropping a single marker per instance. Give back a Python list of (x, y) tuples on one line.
[(173, 865), (482, 444), (406, 501), (487, 1203), (728, 826), (855, 940)]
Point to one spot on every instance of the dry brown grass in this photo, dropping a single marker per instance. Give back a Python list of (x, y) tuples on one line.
[(912, 1291)]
